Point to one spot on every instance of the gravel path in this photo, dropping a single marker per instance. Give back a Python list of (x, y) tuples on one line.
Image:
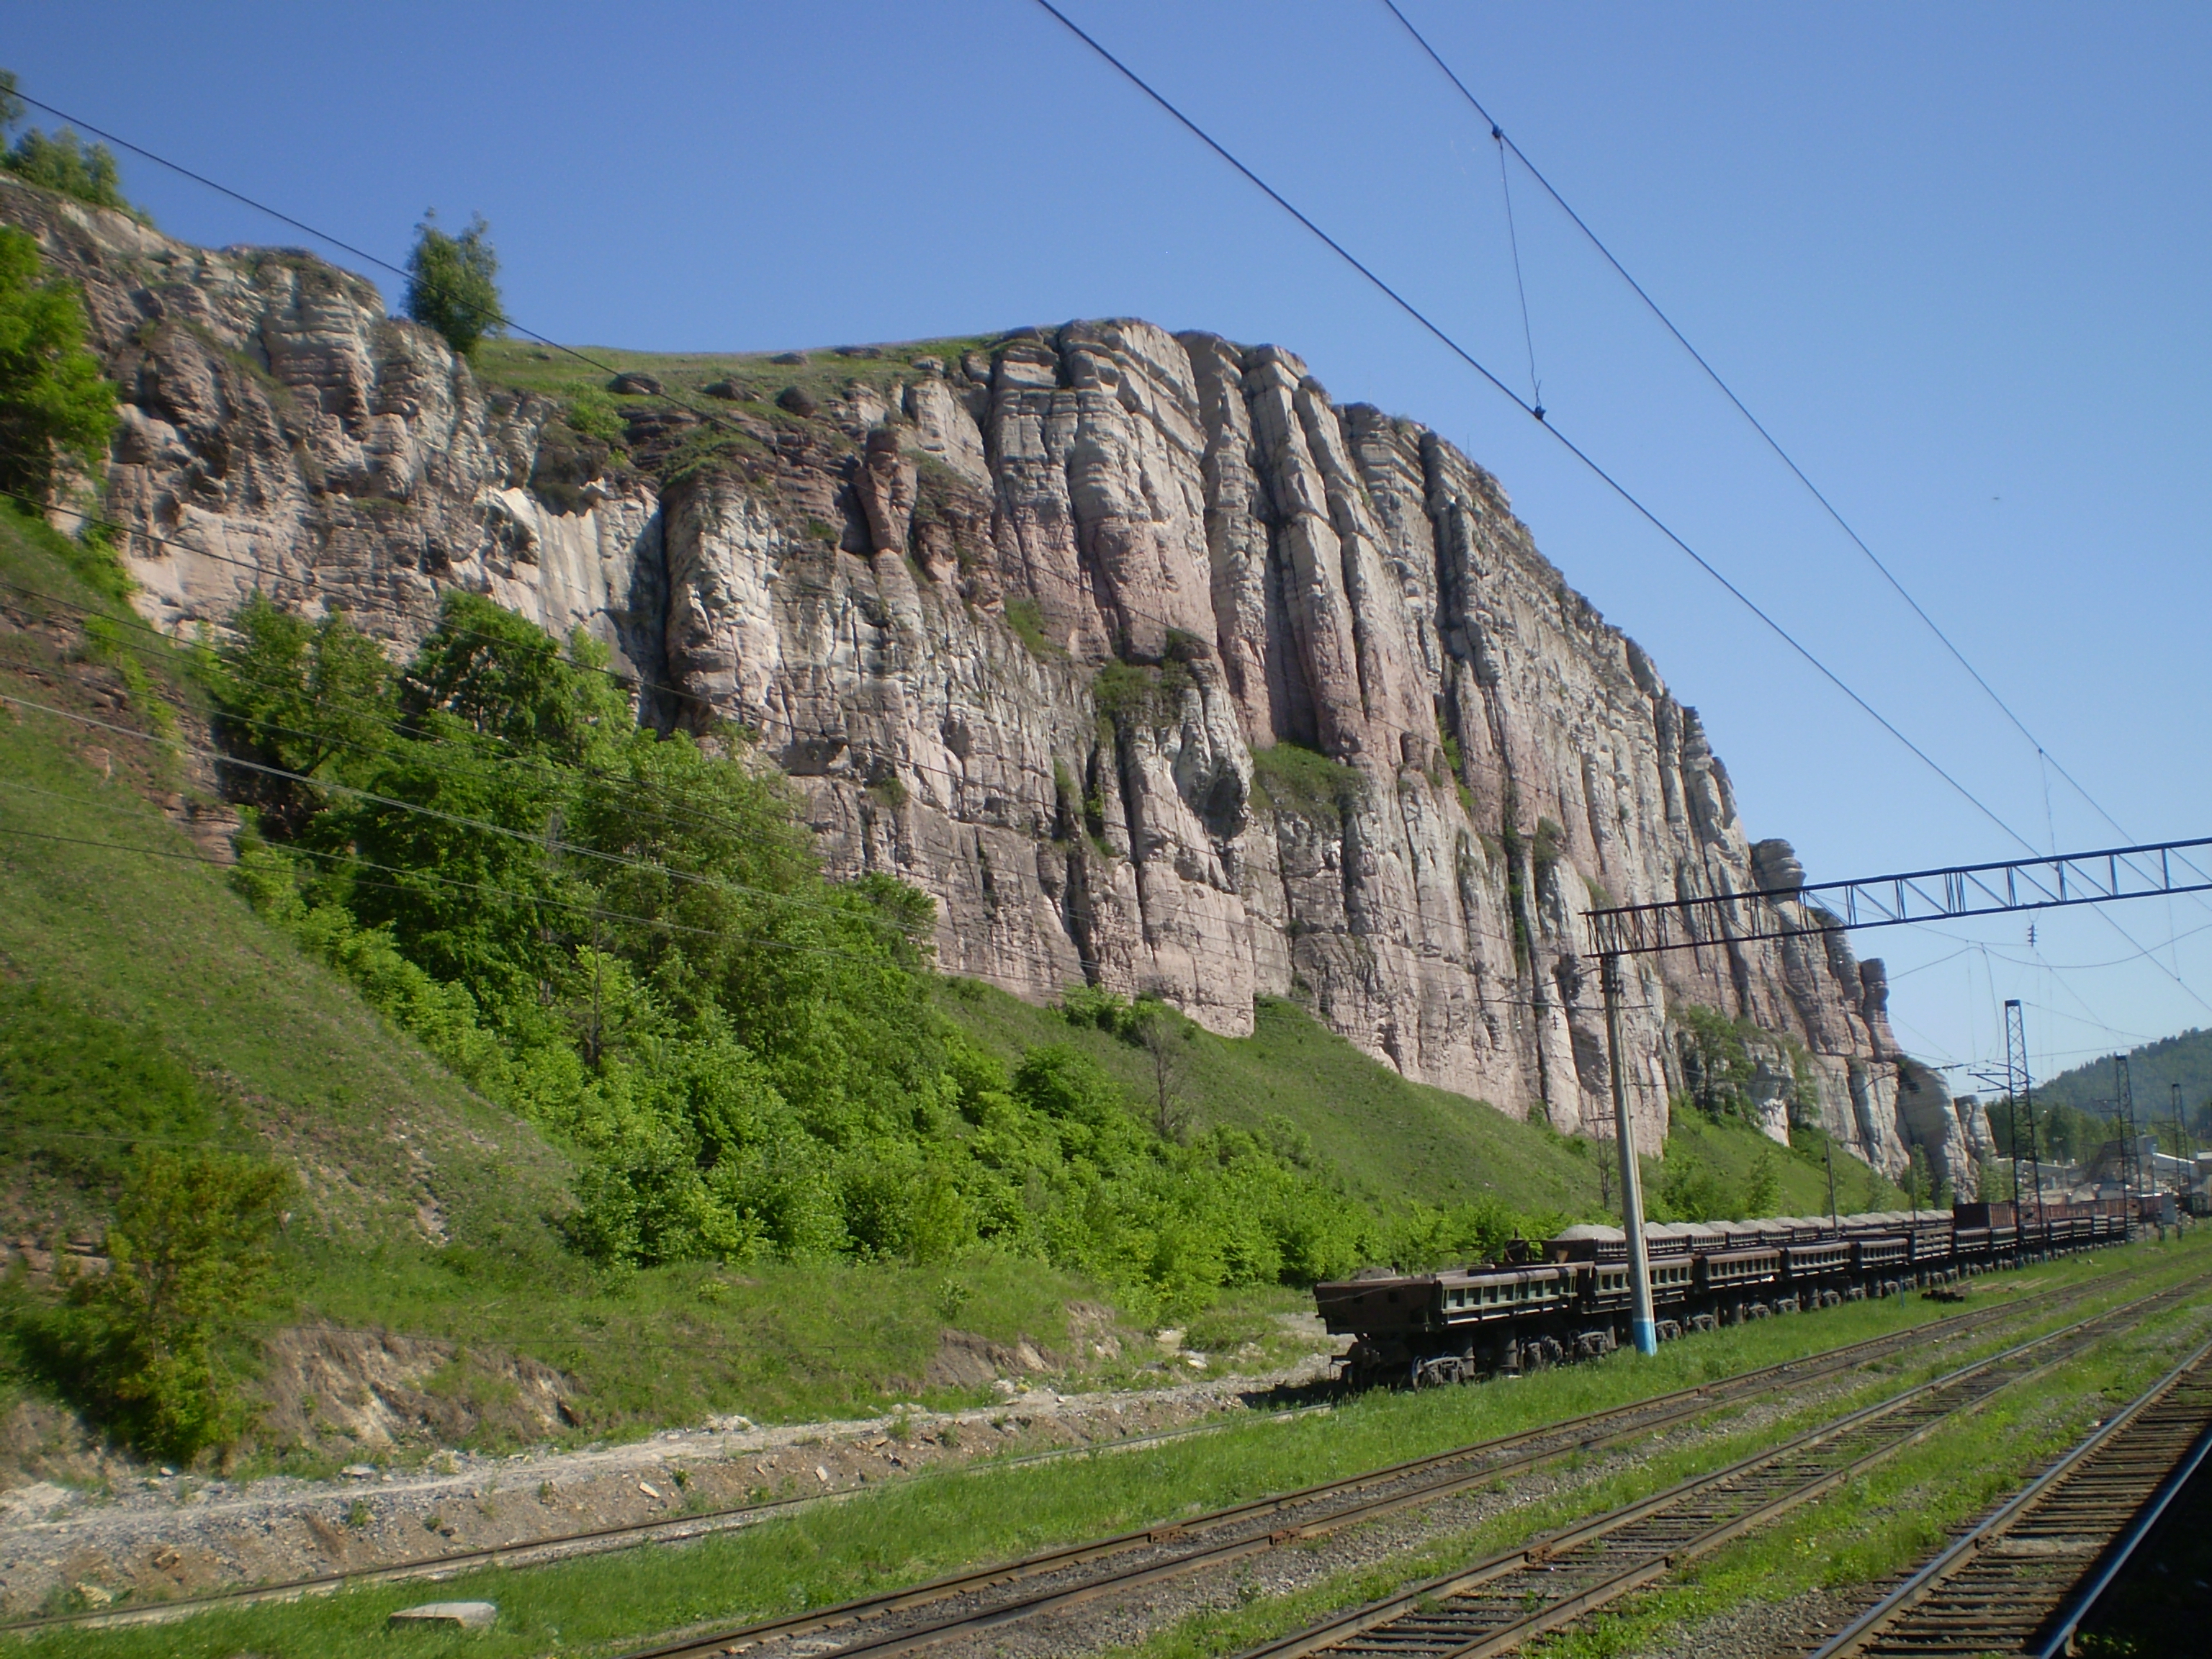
[(172, 1535)]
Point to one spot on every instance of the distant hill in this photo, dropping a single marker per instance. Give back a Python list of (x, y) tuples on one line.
[(2154, 1069)]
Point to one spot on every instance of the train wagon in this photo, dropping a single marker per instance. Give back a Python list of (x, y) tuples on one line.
[(1570, 1298)]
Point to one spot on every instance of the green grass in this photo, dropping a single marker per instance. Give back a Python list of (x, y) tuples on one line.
[(1295, 779), (1389, 1137), (912, 1531), (1731, 1149), (1903, 1512), (1895, 1514)]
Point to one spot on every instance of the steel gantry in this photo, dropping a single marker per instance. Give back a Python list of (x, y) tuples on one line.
[(1813, 910)]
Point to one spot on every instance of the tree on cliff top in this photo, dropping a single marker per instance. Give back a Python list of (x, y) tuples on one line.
[(452, 283), (64, 162), (55, 410)]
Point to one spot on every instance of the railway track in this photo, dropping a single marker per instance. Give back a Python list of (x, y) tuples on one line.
[(969, 1603), (2022, 1580), (1492, 1606)]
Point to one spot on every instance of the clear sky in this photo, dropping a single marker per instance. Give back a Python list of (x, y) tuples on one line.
[(1954, 256)]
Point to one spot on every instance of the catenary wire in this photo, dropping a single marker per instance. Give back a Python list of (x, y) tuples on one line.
[(533, 841), (1498, 133), (956, 781), (497, 316), (652, 923), (1452, 345), (1519, 283), (1196, 948), (1374, 905), (2043, 754)]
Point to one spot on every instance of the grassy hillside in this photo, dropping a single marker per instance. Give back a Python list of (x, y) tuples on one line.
[(425, 1209), (747, 377), (1390, 1139)]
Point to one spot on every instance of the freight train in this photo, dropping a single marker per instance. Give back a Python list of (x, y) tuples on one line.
[(1569, 1298)]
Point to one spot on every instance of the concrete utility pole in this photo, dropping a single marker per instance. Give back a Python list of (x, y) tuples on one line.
[(1828, 1155), (2124, 1114), (1643, 1329), (2181, 1148)]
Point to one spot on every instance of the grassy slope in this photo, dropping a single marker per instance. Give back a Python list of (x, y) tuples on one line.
[(380, 1132), (1391, 1137), (531, 367)]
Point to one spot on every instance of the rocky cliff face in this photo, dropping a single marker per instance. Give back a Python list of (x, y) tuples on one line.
[(1157, 666)]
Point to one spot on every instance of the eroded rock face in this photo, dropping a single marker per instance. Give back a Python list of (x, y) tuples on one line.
[(1156, 666)]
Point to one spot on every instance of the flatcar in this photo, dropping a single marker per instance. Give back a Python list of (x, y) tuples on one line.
[(1570, 1298)]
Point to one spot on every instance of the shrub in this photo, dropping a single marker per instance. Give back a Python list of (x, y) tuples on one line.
[(1026, 618), (1718, 1065), (452, 283), (63, 163), (55, 410), (142, 1346), (591, 413), (631, 941), (1295, 779)]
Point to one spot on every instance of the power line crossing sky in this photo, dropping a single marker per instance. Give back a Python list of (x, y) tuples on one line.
[(1953, 258)]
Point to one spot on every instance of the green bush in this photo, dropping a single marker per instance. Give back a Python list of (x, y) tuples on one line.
[(142, 1346), (453, 282), (1026, 618), (592, 414), (1714, 1054), (631, 941), (63, 163), (1293, 778), (56, 411)]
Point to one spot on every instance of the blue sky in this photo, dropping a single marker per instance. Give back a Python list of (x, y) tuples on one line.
[(1954, 256)]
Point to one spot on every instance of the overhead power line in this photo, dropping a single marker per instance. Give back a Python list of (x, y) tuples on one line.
[(1528, 409), (1337, 247), (1505, 140), (281, 217)]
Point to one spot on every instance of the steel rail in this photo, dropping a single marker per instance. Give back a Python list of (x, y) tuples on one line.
[(1496, 1604), (2024, 1578), (1342, 1503)]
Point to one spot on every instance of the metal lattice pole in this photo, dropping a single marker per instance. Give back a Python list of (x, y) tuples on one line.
[(2016, 1086)]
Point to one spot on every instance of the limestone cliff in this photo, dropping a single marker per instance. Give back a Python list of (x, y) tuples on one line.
[(1157, 666)]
